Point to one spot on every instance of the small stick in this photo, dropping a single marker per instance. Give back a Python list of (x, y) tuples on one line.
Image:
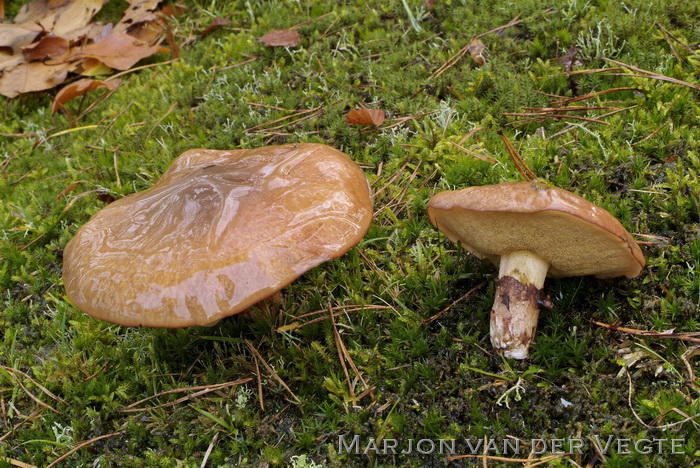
[(271, 370), (485, 457), (260, 389), (656, 76), (341, 350), (689, 336), (172, 108), (525, 171), (474, 153), (566, 100), (554, 116), (652, 134), (209, 449), (465, 296), (186, 389), (83, 444)]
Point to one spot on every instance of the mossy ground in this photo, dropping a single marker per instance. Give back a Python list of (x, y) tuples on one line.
[(439, 380)]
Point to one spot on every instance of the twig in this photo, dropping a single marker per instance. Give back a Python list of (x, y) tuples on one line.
[(688, 354), (465, 296), (28, 393), (650, 426), (567, 100), (456, 57), (688, 336), (209, 449), (538, 461), (473, 153), (251, 58), (656, 76), (41, 387), (652, 134), (83, 444), (142, 67), (170, 109), (668, 33), (290, 116), (200, 390), (18, 463), (29, 418), (570, 127), (525, 171), (271, 370), (554, 116), (341, 349), (260, 390), (403, 120)]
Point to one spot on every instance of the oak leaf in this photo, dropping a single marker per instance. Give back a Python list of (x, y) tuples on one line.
[(365, 117), (32, 76), (215, 24), (281, 38), (48, 47), (78, 88), (118, 50)]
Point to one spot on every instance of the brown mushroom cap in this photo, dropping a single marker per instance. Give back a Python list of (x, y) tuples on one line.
[(220, 231), (575, 236)]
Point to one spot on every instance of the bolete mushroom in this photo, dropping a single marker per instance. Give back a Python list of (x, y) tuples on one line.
[(220, 231), (532, 231)]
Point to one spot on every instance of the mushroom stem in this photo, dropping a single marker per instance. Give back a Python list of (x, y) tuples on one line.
[(517, 303)]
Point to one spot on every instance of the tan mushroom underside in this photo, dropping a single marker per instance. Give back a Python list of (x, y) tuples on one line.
[(575, 236), (220, 231)]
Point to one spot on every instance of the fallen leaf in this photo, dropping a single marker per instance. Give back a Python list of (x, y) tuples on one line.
[(215, 24), (118, 50), (60, 18), (281, 38), (91, 67), (365, 117), (13, 37), (476, 49), (569, 60), (2, 10), (48, 47), (33, 76), (140, 11), (79, 88), (173, 11)]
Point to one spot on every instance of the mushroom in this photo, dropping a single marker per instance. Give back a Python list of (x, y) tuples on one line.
[(531, 231), (219, 232)]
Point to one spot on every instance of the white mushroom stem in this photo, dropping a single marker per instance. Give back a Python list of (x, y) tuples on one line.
[(517, 303)]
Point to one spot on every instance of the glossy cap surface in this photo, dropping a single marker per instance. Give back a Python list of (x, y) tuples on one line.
[(575, 236), (220, 231)]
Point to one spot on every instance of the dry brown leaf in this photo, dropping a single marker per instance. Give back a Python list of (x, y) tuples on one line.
[(215, 24), (10, 62), (173, 11), (281, 38), (91, 67), (365, 117), (79, 88), (476, 49), (34, 76), (140, 11), (13, 37), (48, 47), (2, 10), (150, 32), (118, 50), (60, 18)]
